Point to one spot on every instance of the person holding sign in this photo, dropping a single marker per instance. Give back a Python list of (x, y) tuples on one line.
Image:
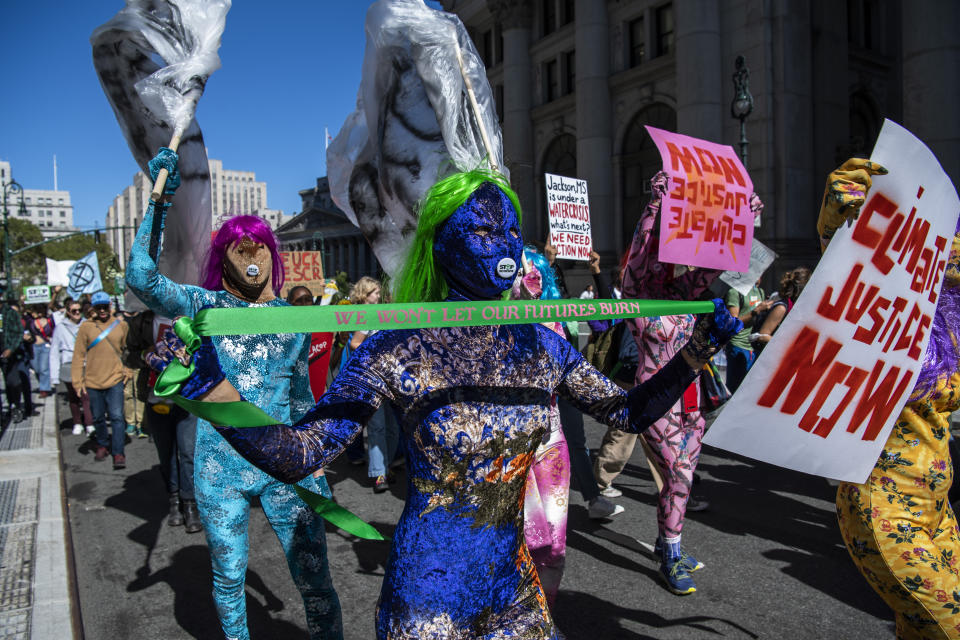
[(244, 269), (474, 406), (898, 526), (674, 439)]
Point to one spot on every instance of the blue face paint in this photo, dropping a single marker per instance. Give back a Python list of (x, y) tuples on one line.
[(479, 246)]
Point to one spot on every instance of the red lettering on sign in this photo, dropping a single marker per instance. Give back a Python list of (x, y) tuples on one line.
[(802, 366), (878, 402)]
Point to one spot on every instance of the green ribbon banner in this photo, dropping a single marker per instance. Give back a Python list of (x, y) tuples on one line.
[(244, 414), (263, 320), (420, 315)]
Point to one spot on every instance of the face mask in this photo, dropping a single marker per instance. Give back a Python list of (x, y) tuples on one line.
[(247, 269), (479, 246)]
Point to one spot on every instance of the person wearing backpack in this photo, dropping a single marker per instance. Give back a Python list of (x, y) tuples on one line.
[(740, 353), (97, 369)]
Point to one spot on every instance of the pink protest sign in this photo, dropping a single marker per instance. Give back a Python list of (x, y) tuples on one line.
[(705, 220)]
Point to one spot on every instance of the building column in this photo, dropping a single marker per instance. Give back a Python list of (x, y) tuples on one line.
[(699, 69), (516, 18), (594, 120), (931, 87)]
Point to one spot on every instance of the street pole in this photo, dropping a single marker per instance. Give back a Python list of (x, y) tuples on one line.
[(742, 104), (9, 189)]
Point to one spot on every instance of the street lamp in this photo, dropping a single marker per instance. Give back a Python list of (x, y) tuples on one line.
[(9, 189), (742, 103)]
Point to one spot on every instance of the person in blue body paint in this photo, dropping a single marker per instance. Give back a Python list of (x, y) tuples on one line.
[(244, 270), (473, 404)]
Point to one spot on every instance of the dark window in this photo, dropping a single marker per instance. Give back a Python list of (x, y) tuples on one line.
[(664, 29), (570, 72), (640, 161), (499, 52), (560, 157), (486, 48), (498, 100), (864, 23), (551, 82), (569, 11), (549, 16), (638, 41)]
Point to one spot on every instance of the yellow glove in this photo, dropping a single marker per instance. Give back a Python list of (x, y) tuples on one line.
[(845, 193)]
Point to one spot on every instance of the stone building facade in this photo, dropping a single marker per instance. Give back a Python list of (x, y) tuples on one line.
[(576, 80), (322, 226)]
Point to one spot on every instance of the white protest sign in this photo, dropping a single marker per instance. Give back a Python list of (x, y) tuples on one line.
[(36, 295), (761, 257), (829, 387), (568, 209)]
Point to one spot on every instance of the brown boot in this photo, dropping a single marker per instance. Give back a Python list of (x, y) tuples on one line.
[(191, 517)]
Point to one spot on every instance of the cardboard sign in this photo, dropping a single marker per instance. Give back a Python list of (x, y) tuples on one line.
[(302, 269), (705, 219), (827, 390), (761, 257), (36, 295), (568, 210)]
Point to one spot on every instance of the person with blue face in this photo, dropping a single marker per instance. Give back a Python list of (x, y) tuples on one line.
[(473, 403)]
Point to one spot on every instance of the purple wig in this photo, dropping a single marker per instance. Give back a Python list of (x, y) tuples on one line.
[(234, 230), (943, 355)]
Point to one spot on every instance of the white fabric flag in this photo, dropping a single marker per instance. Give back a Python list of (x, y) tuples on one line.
[(57, 272)]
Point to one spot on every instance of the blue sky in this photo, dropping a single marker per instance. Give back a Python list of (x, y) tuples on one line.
[(288, 70)]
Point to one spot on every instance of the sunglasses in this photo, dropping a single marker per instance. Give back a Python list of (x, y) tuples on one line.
[(72, 311), (101, 307)]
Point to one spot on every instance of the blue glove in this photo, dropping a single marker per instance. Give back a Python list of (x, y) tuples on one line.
[(166, 159), (206, 373), (206, 365), (167, 349), (712, 332)]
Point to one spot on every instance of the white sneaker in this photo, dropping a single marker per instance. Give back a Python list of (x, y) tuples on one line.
[(610, 491), (77, 429), (90, 430), (600, 508)]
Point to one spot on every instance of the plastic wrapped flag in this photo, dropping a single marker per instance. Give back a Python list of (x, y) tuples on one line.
[(153, 60), (414, 123)]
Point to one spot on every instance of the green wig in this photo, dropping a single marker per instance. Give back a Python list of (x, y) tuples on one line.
[(420, 279)]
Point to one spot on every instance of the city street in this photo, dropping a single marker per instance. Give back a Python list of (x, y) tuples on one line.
[(775, 566)]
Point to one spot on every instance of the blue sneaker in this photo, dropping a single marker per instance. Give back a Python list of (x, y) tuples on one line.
[(690, 563), (676, 576), (131, 429)]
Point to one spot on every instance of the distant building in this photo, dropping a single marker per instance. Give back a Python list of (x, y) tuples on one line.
[(48, 209), (231, 193), (127, 211), (322, 226)]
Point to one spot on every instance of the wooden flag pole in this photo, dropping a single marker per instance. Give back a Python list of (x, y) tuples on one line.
[(473, 102), (162, 176)]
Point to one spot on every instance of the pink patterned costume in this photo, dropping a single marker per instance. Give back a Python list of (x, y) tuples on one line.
[(674, 439), (546, 501)]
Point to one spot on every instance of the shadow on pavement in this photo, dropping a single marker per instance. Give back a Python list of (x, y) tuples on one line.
[(605, 619)]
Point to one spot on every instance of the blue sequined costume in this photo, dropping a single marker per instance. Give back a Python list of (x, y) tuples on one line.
[(474, 404), (271, 370)]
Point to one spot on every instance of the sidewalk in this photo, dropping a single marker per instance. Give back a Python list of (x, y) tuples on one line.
[(35, 569)]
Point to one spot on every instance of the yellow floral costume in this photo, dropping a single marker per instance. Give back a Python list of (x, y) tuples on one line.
[(899, 527)]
